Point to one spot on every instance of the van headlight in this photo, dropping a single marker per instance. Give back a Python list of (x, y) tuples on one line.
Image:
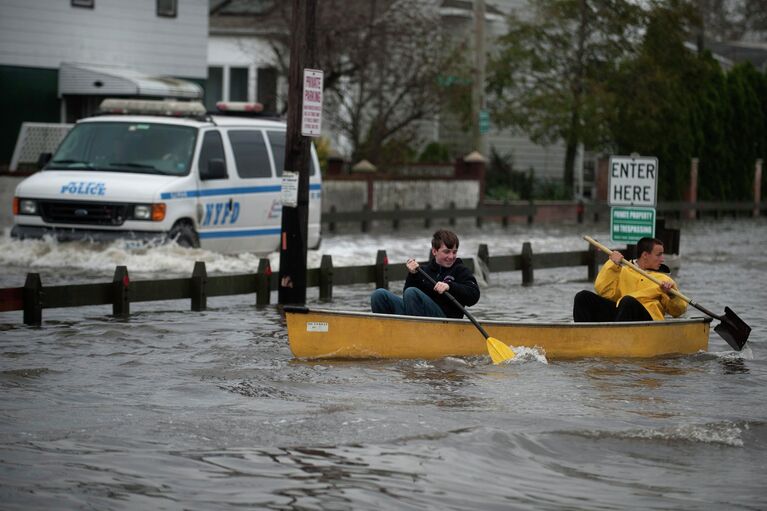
[(150, 212), (24, 206)]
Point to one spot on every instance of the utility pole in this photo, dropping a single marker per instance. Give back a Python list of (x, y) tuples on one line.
[(478, 91), (295, 218)]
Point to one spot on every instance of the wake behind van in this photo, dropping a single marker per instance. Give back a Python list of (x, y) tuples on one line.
[(165, 170)]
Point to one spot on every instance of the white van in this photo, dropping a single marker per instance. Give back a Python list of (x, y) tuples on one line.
[(162, 170)]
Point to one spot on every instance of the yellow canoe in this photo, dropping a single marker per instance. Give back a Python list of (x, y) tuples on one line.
[(317, 334)]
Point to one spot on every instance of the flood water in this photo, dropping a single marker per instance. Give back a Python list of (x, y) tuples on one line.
[(173, 409)]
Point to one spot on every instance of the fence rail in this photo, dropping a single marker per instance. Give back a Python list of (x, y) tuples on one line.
[(33, 297), (428, 214), (503, 212)]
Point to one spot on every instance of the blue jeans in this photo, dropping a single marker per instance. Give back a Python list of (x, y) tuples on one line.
[(414, 302)]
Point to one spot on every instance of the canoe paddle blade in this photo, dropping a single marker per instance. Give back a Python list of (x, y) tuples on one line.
[(733, 329), (499, 352)]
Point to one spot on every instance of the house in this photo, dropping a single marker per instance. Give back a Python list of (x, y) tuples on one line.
[(61, 58), (547, 161)]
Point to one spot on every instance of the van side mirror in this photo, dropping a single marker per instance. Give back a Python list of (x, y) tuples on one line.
[(216, 169), (43, 160)]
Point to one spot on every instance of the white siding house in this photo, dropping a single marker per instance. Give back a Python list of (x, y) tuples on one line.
[(105, 47), (44, 33), (547, 162)]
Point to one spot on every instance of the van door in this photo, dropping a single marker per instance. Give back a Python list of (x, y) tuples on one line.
[(258, 191), (218, 210)]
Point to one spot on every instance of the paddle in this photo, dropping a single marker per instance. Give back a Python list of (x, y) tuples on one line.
[(499, 351), (731, 328)]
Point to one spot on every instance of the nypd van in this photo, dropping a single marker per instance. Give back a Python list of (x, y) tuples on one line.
[(153, 171)]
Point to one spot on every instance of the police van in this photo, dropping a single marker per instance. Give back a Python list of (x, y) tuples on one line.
[(153, 171)]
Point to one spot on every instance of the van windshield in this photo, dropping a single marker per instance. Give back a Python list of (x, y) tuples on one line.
[(144, 148)]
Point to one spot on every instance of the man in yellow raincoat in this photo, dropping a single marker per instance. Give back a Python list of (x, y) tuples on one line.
[(623, 294)]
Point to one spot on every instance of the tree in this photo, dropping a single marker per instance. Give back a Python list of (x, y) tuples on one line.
[(382, 60), (548, 78), (654, 110), (676, 104)]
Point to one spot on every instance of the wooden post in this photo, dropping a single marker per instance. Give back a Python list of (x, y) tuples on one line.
[(693, 190), (199, 281), (452, 218), (332, 225), (120, 294), (292, 281), (532, 213), (427, 218), (757, 188), (593, 263), (483, 254), (527, 264), (505, 217), (33, 300), (395, 220), (326, 278), (263, 280), (479, 220), (382, 270), (364, 222)]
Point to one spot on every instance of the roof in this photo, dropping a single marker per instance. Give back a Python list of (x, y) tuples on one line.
[(106, 80), (246, 17), (741, 51)]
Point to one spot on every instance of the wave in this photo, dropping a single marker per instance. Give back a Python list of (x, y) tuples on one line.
[(722, 433)]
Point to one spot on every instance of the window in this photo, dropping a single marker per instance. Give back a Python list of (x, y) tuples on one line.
[(277, 142), (214, 87), (250, 153), (83, 3), (267, 89), (212, 149), (167, 8), (238, 84)]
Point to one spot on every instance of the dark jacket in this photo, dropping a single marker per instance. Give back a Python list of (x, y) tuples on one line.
[(463, 286)]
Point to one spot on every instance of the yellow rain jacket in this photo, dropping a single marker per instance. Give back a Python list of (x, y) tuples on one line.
[(614, 282)]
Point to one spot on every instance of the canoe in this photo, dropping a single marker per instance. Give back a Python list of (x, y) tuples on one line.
[(334, 334)]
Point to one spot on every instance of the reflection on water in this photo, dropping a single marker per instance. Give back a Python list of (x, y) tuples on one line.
[(733, 365), (444, 387)]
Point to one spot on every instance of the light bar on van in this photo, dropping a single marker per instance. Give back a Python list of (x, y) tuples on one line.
[(168, 108), (239, 106)]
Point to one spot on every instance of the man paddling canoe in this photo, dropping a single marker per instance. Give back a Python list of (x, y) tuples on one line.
[(420, 297), (626, 295)]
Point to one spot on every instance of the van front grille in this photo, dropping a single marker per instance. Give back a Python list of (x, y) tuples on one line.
[(83, 213)]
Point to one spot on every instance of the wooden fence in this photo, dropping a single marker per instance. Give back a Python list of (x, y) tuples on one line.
[(428, 215), (503, 212), (33, 297)]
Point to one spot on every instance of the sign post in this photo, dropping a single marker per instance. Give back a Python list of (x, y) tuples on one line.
[(632, 194), (295, 183)]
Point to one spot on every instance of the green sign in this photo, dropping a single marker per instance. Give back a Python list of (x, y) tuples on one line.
[(628, 225), (484, 121)]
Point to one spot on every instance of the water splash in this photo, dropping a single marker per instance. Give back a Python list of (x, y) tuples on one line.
[(723, 433)]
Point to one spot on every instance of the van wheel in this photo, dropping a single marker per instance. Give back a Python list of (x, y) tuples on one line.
[(184, 235)]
